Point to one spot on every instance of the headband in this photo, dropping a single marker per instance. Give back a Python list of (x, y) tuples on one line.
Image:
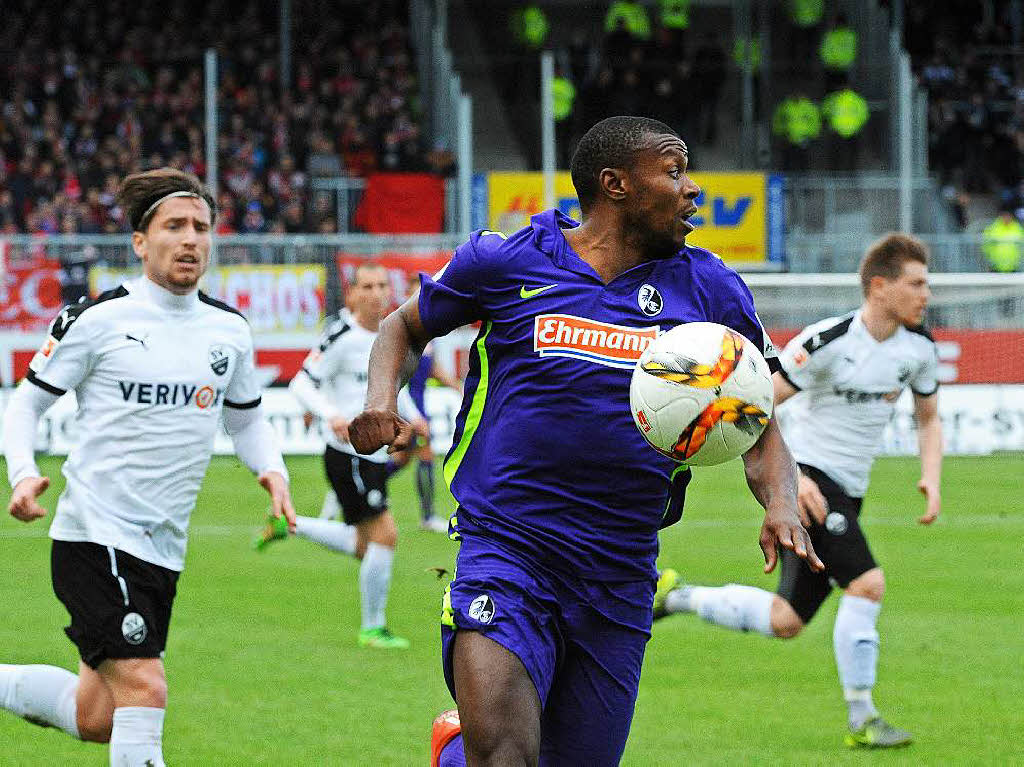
[(152, 208)]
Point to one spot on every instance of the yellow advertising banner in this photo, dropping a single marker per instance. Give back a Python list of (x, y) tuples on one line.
[(732, 220), (274, 298)]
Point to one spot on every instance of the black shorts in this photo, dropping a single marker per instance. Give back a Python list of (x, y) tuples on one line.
[(361, 485), (839, 543), (120, 605)]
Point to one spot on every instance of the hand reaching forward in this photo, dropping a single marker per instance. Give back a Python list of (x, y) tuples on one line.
[(280, 499), (934, 502), (23, 503), (782, 527)]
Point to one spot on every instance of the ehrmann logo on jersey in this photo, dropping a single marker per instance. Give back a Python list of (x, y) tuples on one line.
[(564, 335), (170, 394)]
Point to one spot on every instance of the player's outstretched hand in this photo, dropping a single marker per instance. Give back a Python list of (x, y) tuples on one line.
[(812, 503), (934, 500), (376, 427), (280, 499), (23, 503), (782, 527)]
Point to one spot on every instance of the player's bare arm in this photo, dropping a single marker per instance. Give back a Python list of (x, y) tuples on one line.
[(771, 476), (929, 430), (401, 334), (811, 504)]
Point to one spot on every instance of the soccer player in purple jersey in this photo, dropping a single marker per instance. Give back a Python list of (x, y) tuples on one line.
[(560, 499)]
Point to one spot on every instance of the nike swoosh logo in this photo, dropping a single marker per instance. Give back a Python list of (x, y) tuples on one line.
[(129, 337), (525, 292)]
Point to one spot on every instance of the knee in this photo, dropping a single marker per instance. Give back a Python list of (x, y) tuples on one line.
[(139, 683), (383, 532), (785, 623), (870, 585), (490, 741), (94, 725)]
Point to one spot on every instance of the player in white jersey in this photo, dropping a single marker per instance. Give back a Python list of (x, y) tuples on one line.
[(155, 366), (843, 376), (332, 386)]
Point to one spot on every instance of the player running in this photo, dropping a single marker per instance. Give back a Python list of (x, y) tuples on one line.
[(332, 385), (844, 375), (155, 365), (560, 499)]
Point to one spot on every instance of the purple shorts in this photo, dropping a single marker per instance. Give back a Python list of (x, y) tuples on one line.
[(581, 641)]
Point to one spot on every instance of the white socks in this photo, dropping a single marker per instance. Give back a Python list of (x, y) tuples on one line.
[(336, 536), (374, 582), (42, 694), (744, 608), (855, 640), (136, 740)]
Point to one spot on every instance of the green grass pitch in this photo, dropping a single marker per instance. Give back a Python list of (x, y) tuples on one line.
[(263, 665)]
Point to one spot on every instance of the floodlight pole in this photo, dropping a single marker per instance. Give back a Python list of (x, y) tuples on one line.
[(547, 127), (210, 67), (465, 160)]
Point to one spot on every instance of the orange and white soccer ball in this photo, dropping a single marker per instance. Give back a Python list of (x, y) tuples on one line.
[(701, 394)]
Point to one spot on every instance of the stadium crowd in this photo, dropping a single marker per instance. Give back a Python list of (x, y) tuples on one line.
[(89, 94), (962, 54)]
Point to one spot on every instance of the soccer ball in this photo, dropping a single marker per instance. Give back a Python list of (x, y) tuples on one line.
[(701, 394)]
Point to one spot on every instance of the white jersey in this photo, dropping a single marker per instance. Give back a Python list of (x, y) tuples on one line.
[(338, 367), (151, 371), (849, 383)]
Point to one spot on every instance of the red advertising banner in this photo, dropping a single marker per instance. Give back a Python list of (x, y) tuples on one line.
[(30, 296), (403, 269), (401, 203)]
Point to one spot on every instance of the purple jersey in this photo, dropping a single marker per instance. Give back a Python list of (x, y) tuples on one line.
[(546, 458)]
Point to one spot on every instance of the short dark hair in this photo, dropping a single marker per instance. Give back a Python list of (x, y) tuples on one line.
[(885, 257), (611, 143), (368, 264), (139, 191)]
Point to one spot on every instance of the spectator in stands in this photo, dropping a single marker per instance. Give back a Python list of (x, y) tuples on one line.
[(1003, 242), (632, 15), (81, 100), (846, 113), (709, 73), (838, 52), (797, 122)]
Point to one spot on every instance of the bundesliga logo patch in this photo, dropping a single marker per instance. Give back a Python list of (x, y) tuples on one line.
[(563, 335)]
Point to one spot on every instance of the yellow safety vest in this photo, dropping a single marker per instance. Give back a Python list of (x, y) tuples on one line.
[(635, 16), (847, 111), (1001, 243), (563, 94), (839, 48)]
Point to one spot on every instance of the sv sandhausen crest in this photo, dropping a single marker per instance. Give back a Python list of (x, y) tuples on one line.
[(219, 360), (133, 628), (649, 300)]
